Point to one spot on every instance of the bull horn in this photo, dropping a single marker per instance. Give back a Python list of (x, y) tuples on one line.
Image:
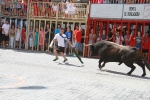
[(87, 44)]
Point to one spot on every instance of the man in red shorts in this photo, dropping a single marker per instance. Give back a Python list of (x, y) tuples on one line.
[(146, 44)]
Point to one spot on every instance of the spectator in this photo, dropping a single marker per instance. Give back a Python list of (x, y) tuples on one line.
[(41, 38), (31, 37), (23, 37), (138, 40), (14, 9), (5, 33), (104, 36), (119, 39), (145, 46), (36, 35), (25, 4), (18, 36), (75, 31), (3, 6), (12, 36), (19, 8), (82, 40), (126, 38), (57, 30), (98, 37), (47, 32), (131, 39), (0, 34), (78, 36), (129, 1), (110, 35), (69, 37), (91, 39), (70, 11)]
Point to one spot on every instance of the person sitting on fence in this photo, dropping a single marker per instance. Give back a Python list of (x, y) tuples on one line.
[(145, 45), (25, 4), (70, 9), (36, 38), (12, 36), (54, 6), (19, 8)]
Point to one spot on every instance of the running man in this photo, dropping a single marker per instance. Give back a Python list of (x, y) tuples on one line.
[(61, 37)]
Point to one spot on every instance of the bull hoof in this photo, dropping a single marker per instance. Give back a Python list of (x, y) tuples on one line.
[(143, 75), (100, 68), (129, 73)]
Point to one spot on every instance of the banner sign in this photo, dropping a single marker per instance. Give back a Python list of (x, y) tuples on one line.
[(136, 11), (120, 11), (106, 11)]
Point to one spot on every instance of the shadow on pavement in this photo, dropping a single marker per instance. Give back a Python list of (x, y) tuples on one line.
[(120, 73), (67, 64), (32, 87)]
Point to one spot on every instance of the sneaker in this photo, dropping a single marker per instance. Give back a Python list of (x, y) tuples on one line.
[(65, 60), (55, 59)]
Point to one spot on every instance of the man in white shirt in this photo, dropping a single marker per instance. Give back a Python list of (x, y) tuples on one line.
[(61, 37), (5, 33)]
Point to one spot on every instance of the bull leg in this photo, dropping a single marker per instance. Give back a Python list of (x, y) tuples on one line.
[(143, 67), (131, 66), (103, 65), (100, 61)]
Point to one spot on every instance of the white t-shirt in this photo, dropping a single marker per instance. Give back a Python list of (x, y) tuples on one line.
[(6, 28), (118, 39), (60, 39)]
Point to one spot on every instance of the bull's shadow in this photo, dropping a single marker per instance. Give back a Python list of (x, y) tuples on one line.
[(125, 74)]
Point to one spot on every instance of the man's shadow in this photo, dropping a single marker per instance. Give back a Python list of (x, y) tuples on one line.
[(68, 64)]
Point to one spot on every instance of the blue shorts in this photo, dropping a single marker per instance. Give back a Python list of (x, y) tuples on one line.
[(78, 46)]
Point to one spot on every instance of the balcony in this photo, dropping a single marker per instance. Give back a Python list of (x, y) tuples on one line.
[(58, 11)]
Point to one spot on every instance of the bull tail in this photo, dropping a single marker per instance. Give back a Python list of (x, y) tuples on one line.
[(146, 63)]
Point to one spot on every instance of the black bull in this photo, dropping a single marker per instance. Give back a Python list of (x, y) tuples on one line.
[(112, 52)]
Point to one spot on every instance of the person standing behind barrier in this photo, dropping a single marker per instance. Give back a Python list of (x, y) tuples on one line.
[(18, 36), (12, 36), (0, 34), (23, 36), (5, 33), (69, 37), (31, 37), (36, 38), (47, 32), (75, 31), (57, 30), (41, 38), (78, 36), (131, 39), (138, 40), (145, 45), (91, 40)]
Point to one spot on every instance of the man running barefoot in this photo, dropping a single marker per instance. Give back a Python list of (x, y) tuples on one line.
[(61, 37)]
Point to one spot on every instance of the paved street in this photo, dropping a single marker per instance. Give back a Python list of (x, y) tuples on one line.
[(34, 76)]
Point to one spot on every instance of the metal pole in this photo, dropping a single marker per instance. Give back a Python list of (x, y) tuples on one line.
[(27, 27)]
